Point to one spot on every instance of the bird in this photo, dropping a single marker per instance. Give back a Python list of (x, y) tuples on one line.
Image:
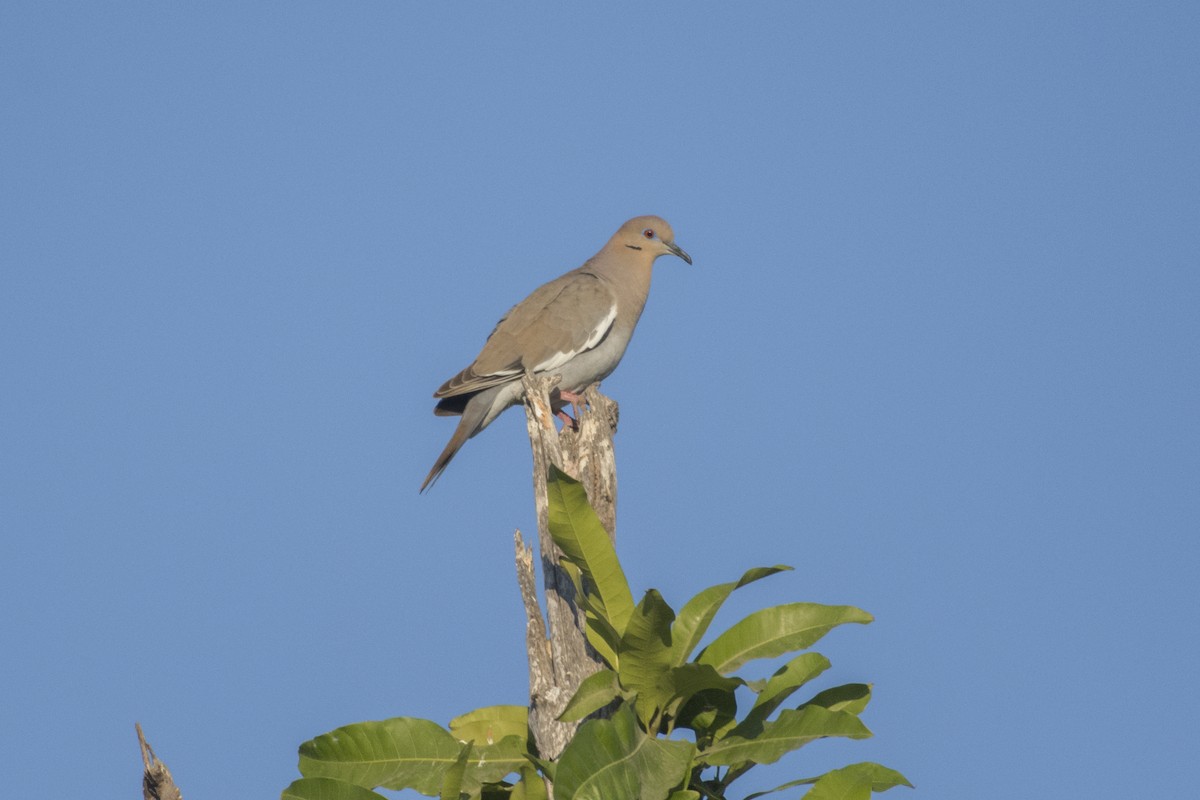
[(577, 326)]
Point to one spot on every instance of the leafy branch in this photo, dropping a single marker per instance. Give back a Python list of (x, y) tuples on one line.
[(652, 688)]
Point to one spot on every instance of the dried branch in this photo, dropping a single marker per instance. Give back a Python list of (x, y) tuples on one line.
[(558, 665), (157, 783)]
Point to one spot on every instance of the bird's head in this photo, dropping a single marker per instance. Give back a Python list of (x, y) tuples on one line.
[(651, 235)]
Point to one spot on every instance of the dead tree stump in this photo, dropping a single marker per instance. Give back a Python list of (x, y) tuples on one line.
[(559, 662), (157, 783)]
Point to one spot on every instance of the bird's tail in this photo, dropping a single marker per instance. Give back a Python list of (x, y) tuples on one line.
[(468, 426)]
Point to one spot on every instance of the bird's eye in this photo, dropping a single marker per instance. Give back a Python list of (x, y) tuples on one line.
[(648, 233)]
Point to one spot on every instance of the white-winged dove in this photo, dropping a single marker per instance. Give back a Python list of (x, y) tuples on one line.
[(576, 326)]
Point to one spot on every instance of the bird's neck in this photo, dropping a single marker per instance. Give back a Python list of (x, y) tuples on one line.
[(630, 277)]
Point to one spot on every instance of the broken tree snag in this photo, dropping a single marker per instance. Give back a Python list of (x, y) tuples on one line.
[(587, 455), (157, 783), (545, 696)]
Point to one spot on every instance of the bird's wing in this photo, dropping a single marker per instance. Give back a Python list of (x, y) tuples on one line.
[(565, 317)]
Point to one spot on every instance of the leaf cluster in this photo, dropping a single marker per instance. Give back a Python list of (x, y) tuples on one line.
[(672, 727)]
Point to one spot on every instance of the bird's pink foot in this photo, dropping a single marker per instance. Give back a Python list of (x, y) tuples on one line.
[(577, 402)]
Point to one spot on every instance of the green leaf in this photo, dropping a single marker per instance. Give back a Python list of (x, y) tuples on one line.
[(603, 638), (648, 631), (327, 789), (791, 731), (645, 655), (685, 794), (399, 753), (648, 665), (791, 676), (781, 788), (531, 786), (855, 782), (578, 533), (786, 680), (697, 614), (853, 698), (492, 762), (614, 758), (595, 692), (491, 724), (452, 780), (882, 778), (777, 630), (600, 633), (708, 713), (686, 681), (839, 785), (545, 767)]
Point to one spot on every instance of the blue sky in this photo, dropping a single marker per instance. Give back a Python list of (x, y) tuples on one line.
[(940, 351)]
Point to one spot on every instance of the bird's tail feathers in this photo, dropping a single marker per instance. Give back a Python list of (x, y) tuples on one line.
[(468, 426), (453, 406)]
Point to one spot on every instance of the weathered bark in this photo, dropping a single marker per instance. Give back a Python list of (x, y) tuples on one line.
[(559, 663), (157, 783), (588, 456)]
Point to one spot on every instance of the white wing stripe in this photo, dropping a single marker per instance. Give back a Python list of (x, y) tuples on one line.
[(558, 359)]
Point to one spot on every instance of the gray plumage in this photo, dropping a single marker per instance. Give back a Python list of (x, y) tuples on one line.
[(576, 326)]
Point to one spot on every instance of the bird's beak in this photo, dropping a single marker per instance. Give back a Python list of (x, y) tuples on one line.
[(677, 250)]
